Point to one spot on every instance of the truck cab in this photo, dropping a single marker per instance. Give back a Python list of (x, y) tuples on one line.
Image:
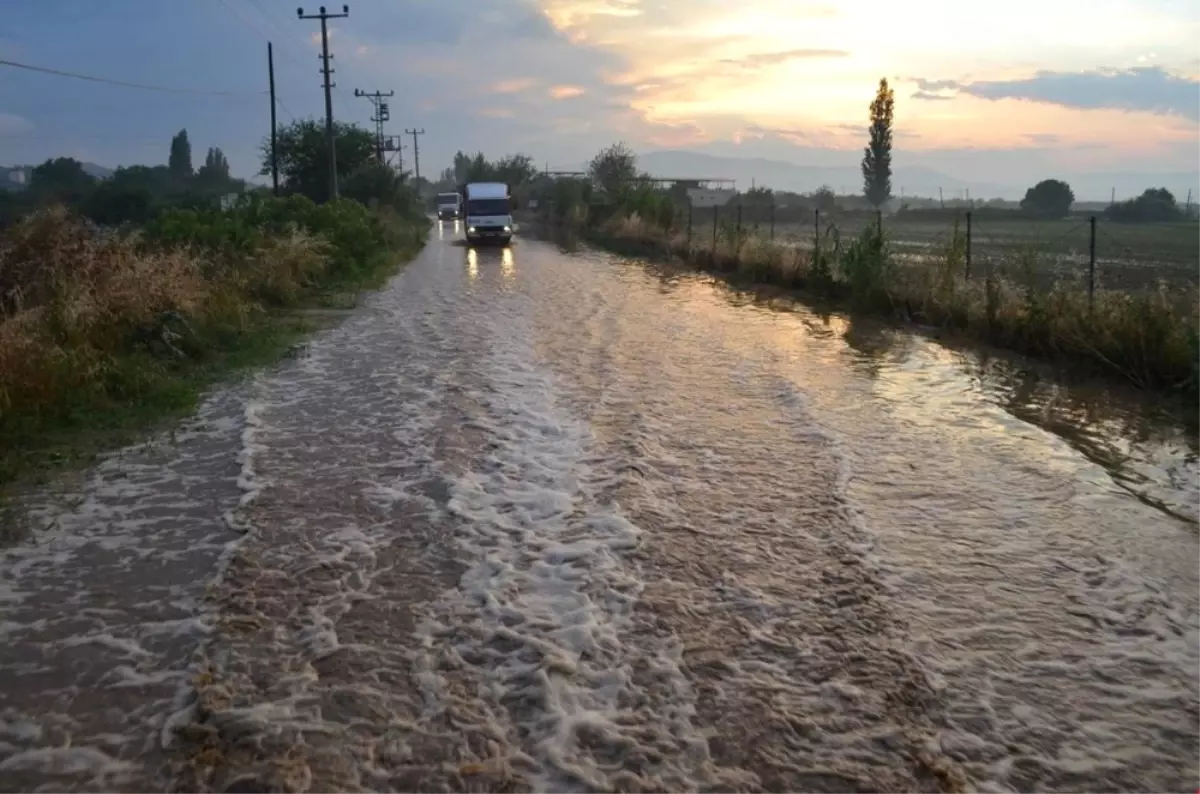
[(449, 206), (487, 210)]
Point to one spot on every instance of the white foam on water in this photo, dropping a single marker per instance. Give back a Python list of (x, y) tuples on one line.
[(101, 604), (540, 612)]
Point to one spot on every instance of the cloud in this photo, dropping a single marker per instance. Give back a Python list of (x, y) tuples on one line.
[(566, 14), (567, 91), (1044, 138), (929, 96), (496, 113), (759, 59), (12, 124), (514, 86), (1146, 89)]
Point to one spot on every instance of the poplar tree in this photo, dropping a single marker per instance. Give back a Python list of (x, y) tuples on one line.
[(877, 157)]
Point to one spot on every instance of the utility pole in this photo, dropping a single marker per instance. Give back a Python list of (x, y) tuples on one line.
[(274, 136), (416, 156), (325, 70), (393, 143), (383, 113)]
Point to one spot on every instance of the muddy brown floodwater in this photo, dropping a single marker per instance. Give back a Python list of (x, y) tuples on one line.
[(540, 520)]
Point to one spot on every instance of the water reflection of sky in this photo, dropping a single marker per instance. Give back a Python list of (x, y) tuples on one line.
[(1144, 444)]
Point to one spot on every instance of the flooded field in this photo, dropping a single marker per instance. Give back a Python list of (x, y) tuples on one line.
[(539, 520), (1128, 256)]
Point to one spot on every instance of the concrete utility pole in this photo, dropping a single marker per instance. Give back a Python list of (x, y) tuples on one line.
[(383, 113), (274, 138), (393, 143), (325, 70), (416, 156)]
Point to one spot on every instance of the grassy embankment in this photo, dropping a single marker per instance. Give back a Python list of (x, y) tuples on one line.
[(103, 333), (1151, 338)]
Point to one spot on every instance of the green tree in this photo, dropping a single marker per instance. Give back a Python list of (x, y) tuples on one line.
[(180, 160), (614, 168), (304, 155), (114, 203), (824, 199), (61, 180), (758, 197), (1050, 198), (877, 157), (480, 170), (213, 177), (1155, 205), (515, 169), (376, 184)]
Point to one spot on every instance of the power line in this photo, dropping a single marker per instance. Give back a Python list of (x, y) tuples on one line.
[(288, 40), (126, 84)]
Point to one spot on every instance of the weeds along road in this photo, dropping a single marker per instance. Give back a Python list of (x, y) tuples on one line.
[(537, 520)]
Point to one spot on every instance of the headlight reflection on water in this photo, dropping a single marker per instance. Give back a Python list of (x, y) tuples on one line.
[(507, 266), (472, 264)]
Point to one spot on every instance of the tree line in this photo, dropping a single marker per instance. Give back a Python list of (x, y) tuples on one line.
[(137, 194), (132, 194)]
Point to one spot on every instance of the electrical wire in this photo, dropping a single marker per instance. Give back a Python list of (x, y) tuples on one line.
[(288, 40), (127, 84)]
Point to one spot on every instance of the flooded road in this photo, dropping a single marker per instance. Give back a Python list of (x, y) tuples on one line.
[(550, 521)]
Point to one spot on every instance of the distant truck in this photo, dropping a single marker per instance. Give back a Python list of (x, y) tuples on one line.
[(449, 206), (488, 212)]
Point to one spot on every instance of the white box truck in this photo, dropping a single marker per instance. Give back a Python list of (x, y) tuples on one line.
[(449, 206), (487, 209)]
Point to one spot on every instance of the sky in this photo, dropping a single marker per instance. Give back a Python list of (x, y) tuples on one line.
[(1009, 92)]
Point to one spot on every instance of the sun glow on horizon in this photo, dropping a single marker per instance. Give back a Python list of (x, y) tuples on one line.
[(814, 67)]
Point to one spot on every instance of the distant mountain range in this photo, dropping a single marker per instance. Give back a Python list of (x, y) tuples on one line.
[(17, 176), (911, 180)]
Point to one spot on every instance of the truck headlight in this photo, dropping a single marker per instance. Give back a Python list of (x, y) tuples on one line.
[(470, 228), (507, 229)]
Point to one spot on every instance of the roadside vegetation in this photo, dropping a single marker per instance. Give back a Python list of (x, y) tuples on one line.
[(108, 323), (1150, 337)]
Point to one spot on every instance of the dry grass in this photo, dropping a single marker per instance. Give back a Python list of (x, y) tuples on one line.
[(1152, 339), (74, 299), (100, 330)]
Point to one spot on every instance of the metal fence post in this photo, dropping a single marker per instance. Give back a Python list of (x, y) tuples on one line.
[(772, 221), (968, 262), (716, 210), (689, 229), (816, 234), (1091, 261), (738, 237)]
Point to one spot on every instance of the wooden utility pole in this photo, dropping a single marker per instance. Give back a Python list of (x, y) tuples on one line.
[(274, 132), (327, 72)]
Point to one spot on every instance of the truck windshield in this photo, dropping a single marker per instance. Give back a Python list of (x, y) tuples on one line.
[(497, 206), (446, 199)]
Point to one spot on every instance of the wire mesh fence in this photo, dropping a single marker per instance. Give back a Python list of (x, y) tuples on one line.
[(1088, 251)]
